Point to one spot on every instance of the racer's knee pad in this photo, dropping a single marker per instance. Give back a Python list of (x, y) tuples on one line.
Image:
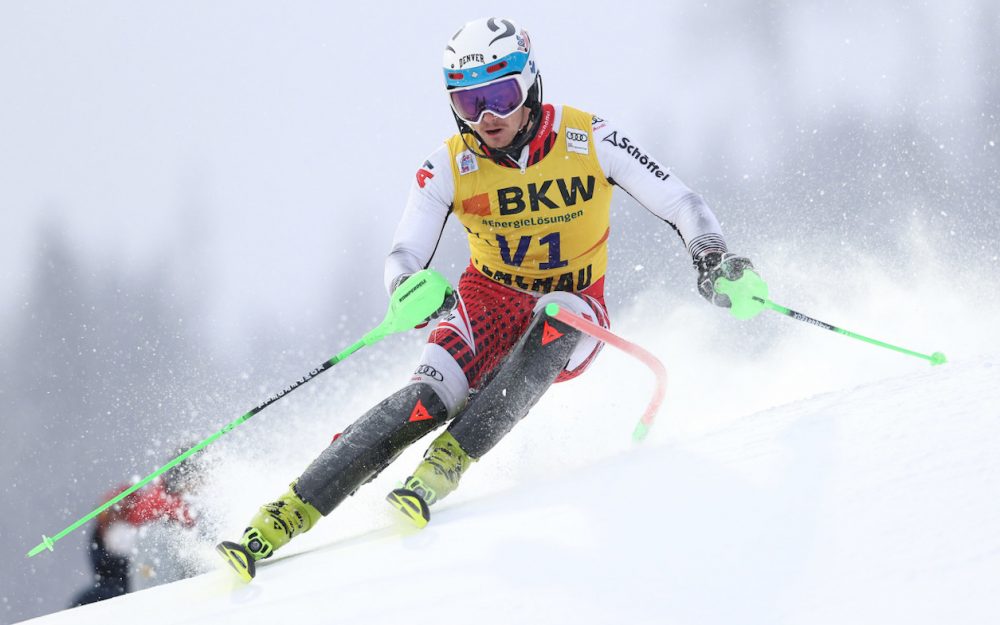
[(517, 384)]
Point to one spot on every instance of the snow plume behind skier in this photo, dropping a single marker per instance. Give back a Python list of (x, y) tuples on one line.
[(531, 183), (133, 544)]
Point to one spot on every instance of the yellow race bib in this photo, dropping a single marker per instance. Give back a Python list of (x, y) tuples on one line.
[(543, 229)]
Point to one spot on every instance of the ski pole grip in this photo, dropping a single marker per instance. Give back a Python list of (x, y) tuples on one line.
[(413, 301), (747, 295)]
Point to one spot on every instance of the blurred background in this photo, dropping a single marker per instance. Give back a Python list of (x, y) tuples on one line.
[(196, 199)]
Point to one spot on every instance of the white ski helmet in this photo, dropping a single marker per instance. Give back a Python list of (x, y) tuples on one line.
[(489, 65)]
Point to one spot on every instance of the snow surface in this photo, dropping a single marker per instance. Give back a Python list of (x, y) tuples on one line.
[(877, 503)]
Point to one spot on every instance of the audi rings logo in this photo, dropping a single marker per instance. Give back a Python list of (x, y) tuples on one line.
[(430, 372), (577, 140)]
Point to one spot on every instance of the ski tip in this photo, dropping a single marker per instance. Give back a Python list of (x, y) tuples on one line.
[(238, 559), (411, 505), (937, 358)]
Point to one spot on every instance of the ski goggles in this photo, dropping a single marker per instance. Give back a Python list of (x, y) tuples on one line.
[(501, 98)]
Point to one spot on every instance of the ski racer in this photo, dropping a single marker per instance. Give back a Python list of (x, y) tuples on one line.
[(531, 183)]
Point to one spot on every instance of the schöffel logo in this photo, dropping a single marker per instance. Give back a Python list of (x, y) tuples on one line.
[(626, 144), (511, 201), (577, 141)]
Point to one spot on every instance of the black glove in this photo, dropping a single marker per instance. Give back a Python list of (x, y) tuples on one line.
[(711, 266), (448, 305)]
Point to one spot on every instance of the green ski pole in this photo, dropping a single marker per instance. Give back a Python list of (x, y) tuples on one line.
[(417, 298), (749, 297)]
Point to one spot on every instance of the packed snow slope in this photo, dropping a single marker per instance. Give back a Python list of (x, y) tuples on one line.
[(872, 504)]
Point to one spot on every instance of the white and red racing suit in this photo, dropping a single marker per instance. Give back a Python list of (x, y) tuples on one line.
[(538, 232)]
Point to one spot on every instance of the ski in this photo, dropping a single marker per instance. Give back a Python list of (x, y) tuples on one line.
[(411, 505), (238, 558)]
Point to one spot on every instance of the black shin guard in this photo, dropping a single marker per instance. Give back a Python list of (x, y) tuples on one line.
[(517, 385), (369, 445)]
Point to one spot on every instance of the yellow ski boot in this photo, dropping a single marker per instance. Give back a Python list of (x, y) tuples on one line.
[(434, 479), (271, 528)]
